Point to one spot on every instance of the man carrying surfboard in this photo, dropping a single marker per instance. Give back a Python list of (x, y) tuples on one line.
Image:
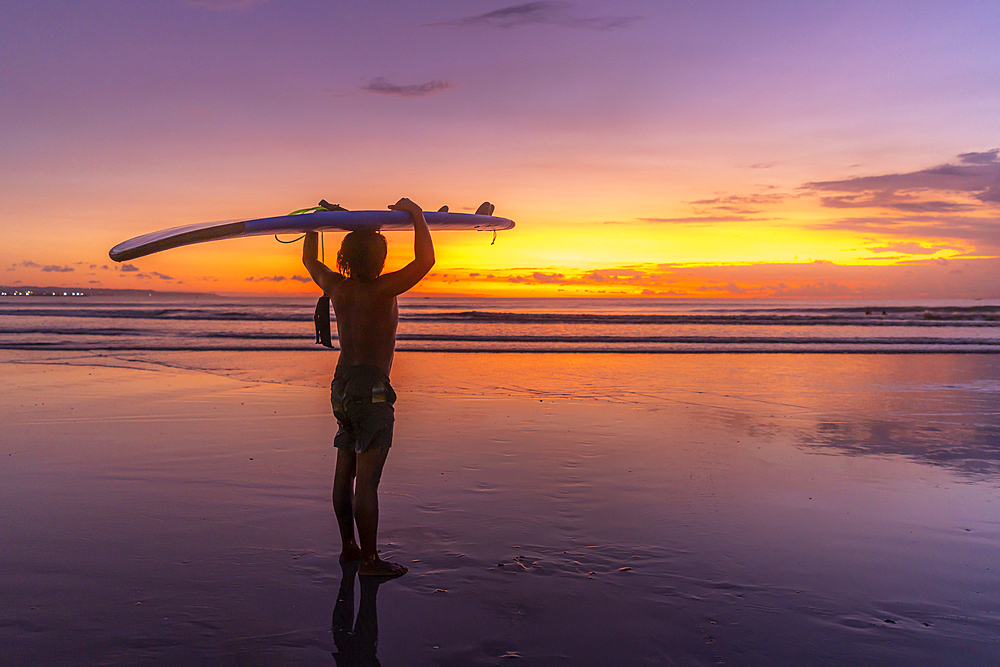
[(367, 314)]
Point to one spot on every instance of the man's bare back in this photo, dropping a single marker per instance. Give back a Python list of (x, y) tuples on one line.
[(367, 314), (366, 324)]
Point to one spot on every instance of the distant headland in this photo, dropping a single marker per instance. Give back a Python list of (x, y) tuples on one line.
[(76, 292)]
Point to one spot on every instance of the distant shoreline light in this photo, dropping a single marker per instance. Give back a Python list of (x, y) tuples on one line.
[(32, 293)]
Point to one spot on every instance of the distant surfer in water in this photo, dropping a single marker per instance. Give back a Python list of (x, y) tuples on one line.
[(365, 305)]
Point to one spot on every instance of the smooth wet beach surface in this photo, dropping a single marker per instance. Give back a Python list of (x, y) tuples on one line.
[(553, 509)]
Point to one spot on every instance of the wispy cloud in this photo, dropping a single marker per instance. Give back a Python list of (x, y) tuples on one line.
[(702, 219), (53, 268), (896, 202), (266, 279), (544, 12), (129, 268), (225, 4), (740, 200), (910, 248), (539, 277), (382, 87), (976, 175), (980, 230), (619, 275), (950, 201), (724, 208)]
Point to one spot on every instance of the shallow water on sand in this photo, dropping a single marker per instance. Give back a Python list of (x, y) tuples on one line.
[(553, 509)]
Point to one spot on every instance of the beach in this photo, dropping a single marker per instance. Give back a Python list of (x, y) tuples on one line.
[(173, 507)]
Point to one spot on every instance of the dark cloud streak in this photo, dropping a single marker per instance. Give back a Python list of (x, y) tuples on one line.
[(382, 87), (225, 4), (544, 12)]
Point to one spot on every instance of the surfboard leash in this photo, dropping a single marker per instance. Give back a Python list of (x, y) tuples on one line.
[(324, 205)]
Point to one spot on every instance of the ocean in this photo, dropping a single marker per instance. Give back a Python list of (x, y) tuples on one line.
[(475, 324)]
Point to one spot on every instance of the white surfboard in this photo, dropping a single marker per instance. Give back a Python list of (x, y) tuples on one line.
[(175, 237)]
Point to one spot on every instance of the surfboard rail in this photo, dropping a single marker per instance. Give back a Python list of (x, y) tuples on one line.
[(175, 237)]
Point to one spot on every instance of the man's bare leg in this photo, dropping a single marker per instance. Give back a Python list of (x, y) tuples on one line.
[(368, 474), (343, 503)]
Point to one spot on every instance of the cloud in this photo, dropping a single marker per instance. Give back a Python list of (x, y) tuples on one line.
[(28, 264), (302, 279), (896, 202), (545, 12), (986, 157), (626, 275), (382, 87), (740, 201), (911, 248), (129, 268), (977, 176), (225, 4), (701, 219), (52, 268), (984, 232), (724, 208), (266, 279), (161, 276), (949, 201)]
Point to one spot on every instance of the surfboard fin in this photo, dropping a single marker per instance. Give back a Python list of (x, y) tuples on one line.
[(322, 319), (443, 209), (327, 206), (485, 208)]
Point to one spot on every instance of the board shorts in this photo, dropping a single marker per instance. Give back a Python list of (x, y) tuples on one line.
[(362, 401)]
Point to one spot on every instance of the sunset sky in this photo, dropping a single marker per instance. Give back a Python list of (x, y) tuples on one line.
[(711, 148)]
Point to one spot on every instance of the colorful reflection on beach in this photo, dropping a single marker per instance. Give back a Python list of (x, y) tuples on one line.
[(579, 509)]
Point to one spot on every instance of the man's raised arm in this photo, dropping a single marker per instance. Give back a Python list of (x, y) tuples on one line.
[(321, 274), (400, 281)]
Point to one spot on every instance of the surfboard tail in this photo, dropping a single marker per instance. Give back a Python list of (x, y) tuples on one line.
[(157, 242)]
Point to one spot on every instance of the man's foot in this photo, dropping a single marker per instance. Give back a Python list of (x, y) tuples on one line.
[(376, 567), (351, 551)]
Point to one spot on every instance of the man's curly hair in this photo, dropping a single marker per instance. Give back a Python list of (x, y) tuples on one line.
[(362, 255)]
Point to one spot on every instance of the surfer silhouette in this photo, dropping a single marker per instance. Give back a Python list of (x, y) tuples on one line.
[(364, 302)]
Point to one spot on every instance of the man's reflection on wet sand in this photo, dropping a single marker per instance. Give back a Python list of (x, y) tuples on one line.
[(356, 640)]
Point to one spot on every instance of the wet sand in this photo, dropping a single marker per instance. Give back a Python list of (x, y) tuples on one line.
[(553, 509)]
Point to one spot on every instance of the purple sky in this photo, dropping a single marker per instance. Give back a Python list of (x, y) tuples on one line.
[(123, 117)]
